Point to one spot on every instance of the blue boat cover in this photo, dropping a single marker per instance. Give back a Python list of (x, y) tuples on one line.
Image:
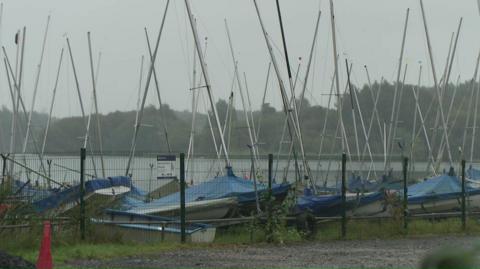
[(328, 205), (356, 184), (216, 188), (444, 186), (473, 173), (32, 193), (331, 205), (72, 194), (436, 185)]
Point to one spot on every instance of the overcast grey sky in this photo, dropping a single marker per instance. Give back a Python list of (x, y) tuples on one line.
[(369, 32)]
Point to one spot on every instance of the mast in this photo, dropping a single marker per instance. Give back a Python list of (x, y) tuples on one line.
[(259, 121), (157, 88), (442, 81), (95, 101), (415, 115), (207, 82), (392, 115), (240, 89), (139, 96), (397, 112), (362, 123), (337, 80), (82, 108), (325, 121), (145, 93), (19, 101), (35, 89), (440, 105), (254, 134), (425, 133), (305, 81), (295, 121), (354, 118), (375, 102), (470, 101), (51, 105), (445, 86), (474, 129), (91, 111), (191, 142), (285, 101)]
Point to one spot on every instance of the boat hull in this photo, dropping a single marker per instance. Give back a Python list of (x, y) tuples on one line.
[(198, 210), (449, 204), (143, 228)]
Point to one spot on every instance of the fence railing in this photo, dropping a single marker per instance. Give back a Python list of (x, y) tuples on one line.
[(168, 203)]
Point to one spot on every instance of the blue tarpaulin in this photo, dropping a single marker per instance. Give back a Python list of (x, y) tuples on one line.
[(32, 193), (473, 173), (331, 205), (216, 188), (72, 194), (437, 188), (325, 206), (357, 184)]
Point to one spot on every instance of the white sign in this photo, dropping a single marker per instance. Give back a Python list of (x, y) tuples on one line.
[(166, 166)]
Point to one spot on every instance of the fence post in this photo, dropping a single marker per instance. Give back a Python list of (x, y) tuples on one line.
[(344, 200), (405, 193), (4, 167), (83, 155), (464, 216), (49, 163), (270, 171), (182, 197)]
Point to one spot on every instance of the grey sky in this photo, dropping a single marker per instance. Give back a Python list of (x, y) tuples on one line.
[(369, 32)]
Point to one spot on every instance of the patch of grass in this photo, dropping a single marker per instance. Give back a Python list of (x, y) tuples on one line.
[(61, 254), (66, 247)]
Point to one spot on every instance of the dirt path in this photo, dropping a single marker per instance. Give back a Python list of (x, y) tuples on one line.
[(399, 253)]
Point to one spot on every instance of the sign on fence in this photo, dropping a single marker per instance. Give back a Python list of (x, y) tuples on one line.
[(166, 166)]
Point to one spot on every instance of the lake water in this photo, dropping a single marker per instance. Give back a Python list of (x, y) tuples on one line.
[(144, 169)]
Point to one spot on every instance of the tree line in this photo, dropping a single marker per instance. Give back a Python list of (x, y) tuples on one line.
[(458, 101)]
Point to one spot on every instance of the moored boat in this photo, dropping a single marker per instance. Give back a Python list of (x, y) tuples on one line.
[(144, 228)]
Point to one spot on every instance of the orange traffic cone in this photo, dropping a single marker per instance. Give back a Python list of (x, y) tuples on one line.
[(44, 260)]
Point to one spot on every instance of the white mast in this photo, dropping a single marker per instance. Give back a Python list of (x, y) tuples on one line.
[(82, 109), (190, 165), (95, 101), (145, 93), (470, 101), (54, 93), (440, 105), (375, 103), (251, 135), (254, 132), (365, 135), (445, 86), (392, 115), (292, 119), (37, 78), (139, 96), (207, 81), (337, 79), (157, 88), (259, 121), (474, 128)]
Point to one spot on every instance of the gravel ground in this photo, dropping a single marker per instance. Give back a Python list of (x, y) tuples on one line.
[(8, 261), (398, 253)]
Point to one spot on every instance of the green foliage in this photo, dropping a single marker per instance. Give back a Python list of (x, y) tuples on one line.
[(272, 223), (117, 127)]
